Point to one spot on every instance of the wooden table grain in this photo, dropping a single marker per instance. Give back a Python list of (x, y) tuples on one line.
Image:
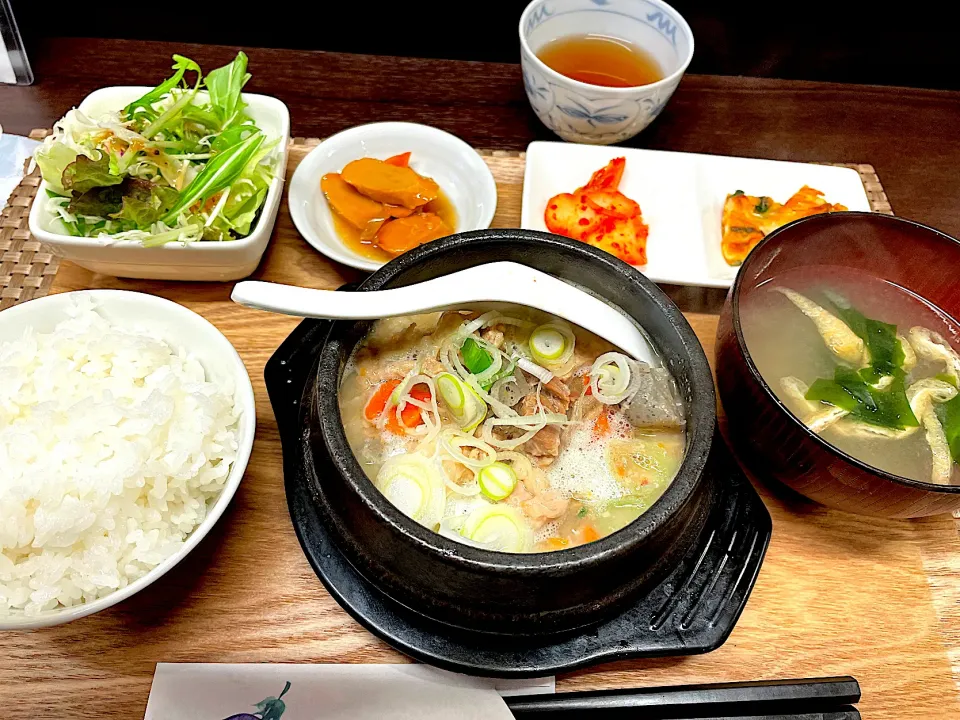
[(838, 594), (910, 136)]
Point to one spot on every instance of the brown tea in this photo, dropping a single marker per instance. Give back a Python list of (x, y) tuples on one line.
[(601, 60)]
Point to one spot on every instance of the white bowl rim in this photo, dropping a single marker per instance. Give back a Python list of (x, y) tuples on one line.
[(343, 254), (245, 398), (276, 185), (557, 77)]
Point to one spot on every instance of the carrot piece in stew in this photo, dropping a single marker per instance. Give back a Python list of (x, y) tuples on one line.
[(411, 416), (601, 426), (378, 401)]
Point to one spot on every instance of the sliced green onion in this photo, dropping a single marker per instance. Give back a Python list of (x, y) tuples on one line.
[(451, 392), (453, 442), (547, 343), (610, 378), (496, 361), (497, 481), (552, 344), (540, 373), (498, 527), (466, 407), (450, 358), (414, 485), (475, 358), (530, 424), (504, 372)]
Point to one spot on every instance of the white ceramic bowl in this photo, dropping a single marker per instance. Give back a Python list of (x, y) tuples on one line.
[(178, 326), (458, 169), (208, 261), (579, 112)]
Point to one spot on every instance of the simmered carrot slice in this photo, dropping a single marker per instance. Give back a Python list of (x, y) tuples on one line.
[(371, 229), (403, 234), (401, 160), (389, 183), (398, 210), (353, 207)]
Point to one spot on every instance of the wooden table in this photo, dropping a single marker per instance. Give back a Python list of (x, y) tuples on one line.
[(910, 136), (247, 594)]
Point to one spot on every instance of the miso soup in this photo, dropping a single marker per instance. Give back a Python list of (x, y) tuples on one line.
[(866, 364)]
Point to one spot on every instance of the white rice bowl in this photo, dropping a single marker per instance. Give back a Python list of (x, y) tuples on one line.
[(123, 436)]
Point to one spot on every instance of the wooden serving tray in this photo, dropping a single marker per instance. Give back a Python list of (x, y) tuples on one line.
[(838, 594)]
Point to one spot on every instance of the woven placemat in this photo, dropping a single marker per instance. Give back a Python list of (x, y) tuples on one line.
[(28, 269)]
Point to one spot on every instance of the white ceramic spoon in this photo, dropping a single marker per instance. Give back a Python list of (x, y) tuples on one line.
[(504, 282)]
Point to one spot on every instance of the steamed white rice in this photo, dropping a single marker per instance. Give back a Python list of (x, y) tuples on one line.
[(112, 446)]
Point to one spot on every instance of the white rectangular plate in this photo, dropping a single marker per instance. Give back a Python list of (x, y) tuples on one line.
[(681, 196)]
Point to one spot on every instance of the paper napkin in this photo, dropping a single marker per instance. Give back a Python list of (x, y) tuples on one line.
[(328, 692), (14, 150)]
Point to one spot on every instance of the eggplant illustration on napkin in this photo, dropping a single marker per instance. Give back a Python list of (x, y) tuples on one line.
[(270, 708)]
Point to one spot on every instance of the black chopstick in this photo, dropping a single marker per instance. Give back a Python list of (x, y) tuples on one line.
[(813, 698), (846, 713)]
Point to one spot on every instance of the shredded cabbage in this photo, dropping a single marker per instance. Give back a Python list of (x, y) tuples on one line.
[(172, 166)]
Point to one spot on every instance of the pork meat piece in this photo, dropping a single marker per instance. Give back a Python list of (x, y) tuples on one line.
[(494, 335), (554, 396), (544, 447), (548, 505)]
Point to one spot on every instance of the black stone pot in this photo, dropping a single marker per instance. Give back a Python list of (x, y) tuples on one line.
[(468, 590)]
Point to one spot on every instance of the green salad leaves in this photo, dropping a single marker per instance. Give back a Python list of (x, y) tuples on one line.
[(85, 174), (145, 103), (224, 85), (177, 164)]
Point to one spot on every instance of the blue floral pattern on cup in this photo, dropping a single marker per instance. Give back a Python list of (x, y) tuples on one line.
[(593, 116), (599, 115), (665, 24), (537, 17)]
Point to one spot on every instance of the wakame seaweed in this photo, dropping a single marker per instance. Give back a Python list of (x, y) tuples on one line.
[(849, 391)]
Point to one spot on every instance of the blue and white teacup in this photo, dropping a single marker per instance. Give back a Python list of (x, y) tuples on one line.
[(579, 112)]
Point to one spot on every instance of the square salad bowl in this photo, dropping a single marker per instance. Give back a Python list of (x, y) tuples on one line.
[(199, 261)]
